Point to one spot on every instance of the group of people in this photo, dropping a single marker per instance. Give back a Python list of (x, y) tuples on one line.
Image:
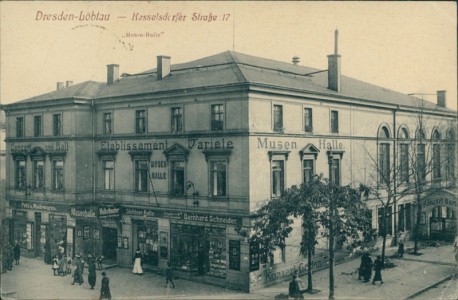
[(11, 256), (366, 266)]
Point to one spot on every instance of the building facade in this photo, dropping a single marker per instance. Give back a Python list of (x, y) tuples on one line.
[(177, 160)]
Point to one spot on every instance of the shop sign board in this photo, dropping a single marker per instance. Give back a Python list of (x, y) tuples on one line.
[(109, 212), (39, 206), (83, 212), (177, 215), (439, 201)]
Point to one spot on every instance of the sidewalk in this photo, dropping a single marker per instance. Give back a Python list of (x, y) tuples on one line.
[(411, 274), (34, 280)]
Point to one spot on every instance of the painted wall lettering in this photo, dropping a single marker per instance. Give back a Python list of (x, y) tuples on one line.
[(266, 143), (332, 144)]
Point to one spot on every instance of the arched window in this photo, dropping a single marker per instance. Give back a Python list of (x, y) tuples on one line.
[(404, 155), (450, 165), (384, 156), (420, 172), (436, 155)]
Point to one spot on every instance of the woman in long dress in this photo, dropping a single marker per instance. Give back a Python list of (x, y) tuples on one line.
[(138, 263)]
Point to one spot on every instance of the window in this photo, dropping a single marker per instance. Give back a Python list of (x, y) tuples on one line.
[(37, 126), (177, 119), (308, 120), (450, 155), (278, 180), (140, 123), (20, 174), (218, 177), (421, 163), (384, 157), (38, 174), (334, 121), (177, 178), (384, 163), (217, 118), (141, 175), (404, 163), (308, 170), (334, 172), (57, 174), (108, 175), (57, 124), (20, 127), (436, 155), (107, 129), (278, 118)]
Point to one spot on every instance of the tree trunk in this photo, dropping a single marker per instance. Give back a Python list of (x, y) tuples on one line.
[(331, 256), (309, 270), (417, 228), (384, 237)]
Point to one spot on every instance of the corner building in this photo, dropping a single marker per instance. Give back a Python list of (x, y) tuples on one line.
[(176, 160)]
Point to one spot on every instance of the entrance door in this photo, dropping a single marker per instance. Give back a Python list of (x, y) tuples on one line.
[(37, 234), (110, 242)]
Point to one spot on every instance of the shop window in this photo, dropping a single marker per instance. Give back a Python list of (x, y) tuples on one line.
[(107, 123), (334, 121), (20, 229), (436, 156), (278, 118), (141, 175), (20, 174), (217, 117), (451, 213), (38, 174), (140, 121), (177, 119), (278, 177), (108, 174), (177, 186), (58, 175), (147, 241), (37, 125), (57, 124), (20, 127), (199, 249), (308, 120)]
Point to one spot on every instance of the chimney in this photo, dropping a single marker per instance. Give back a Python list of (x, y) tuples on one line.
[(334, 67), (69, 83), (441, 98), (296, 60), (163, 66), (60, 85), (112, 73)]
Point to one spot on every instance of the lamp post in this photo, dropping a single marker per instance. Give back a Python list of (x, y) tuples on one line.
[(331, 229)]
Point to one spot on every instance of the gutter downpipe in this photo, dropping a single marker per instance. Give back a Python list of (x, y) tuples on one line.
[(93, 150), (395, 177)]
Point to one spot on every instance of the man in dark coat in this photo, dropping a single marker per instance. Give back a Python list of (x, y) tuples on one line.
[(367, 268), (17, 253), (92, 276), (378, 265), (48, 259), (78, 274), (401, 248), (105, 287)]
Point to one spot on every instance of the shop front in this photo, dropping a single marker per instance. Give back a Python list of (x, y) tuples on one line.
[(438, 217)]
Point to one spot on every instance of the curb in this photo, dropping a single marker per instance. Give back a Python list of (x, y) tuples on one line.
[(429, 287)]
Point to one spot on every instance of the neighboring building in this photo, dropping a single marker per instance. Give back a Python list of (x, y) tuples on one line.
[(177, 160)]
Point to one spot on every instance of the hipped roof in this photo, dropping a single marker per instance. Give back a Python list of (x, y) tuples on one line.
[(232, 68)]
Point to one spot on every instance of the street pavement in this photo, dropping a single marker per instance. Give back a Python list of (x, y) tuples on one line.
[(432, 274)]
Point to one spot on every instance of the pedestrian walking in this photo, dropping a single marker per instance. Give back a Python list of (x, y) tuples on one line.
[(99, 262), (138, 263), (62, 270), (68, 264), (295, 289), (92, 276), (77, 274), (105, 287), (169, 275), (55, 265), (400, 249), (362, 266), (367, 268), (378, 265), (17, 253), (48, 259)]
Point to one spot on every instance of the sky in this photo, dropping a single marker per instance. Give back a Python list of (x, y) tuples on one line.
[(409, 47)]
